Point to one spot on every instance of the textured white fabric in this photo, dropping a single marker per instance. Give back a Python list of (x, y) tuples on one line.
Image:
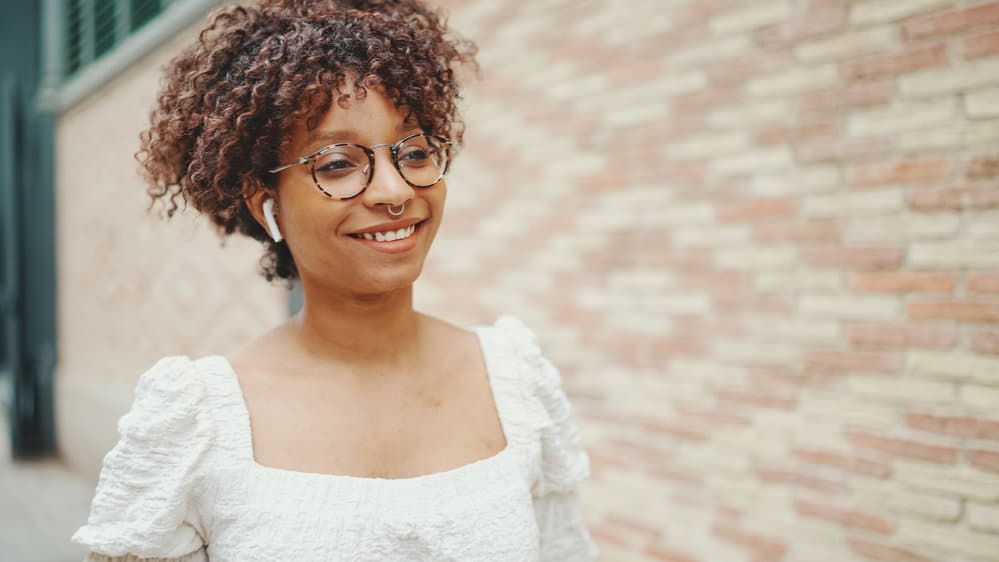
[(182, 484)]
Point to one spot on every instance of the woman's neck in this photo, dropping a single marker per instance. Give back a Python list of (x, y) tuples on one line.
[(378, 329)]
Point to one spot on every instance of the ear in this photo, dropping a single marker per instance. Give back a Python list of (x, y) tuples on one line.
[(255, 193)]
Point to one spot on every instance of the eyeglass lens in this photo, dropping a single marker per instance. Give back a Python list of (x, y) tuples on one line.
[(345, 170)]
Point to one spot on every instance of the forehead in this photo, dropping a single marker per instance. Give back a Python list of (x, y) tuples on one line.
[(368, 118)]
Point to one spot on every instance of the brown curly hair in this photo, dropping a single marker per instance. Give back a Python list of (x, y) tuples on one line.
[(229, 100)]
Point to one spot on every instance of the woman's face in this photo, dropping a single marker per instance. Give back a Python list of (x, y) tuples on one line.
[(326, 236)]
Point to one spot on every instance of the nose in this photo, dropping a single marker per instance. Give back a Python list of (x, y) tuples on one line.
[(387, 186)]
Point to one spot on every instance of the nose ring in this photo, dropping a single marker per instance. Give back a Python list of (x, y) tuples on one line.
[(394, 213)]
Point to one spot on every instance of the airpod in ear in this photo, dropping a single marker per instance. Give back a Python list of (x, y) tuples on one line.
[(272, 226)]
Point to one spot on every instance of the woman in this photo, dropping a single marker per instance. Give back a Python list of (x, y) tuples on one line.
[(360, 429)]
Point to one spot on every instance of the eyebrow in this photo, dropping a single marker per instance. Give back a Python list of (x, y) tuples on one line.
[(349, 135)]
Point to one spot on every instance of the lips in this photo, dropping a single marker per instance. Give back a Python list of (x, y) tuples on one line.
[(386, 228)]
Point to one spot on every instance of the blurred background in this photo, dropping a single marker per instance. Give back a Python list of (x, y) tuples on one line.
[(760, 239)]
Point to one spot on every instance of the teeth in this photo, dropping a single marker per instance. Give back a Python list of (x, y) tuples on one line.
[(391, 235)]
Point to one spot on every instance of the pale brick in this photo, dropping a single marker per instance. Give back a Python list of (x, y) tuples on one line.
[(799, 181), (711, 237), (787, 329), (849, 204), (902, 389), (719, 49), (977, 396), (982, 104), (640, 280), (902, 117), (705, 371), (634, 114), (708, 145), (777, 257), (950, 538), (674, 215), (956, 254), (955, 135), (751, 161), (754, 353), (849, 44), (852, 307), (985, 227), (952, 80), (906, 502), (755, 15), (848, 413), (800, 281), (983, 517), (954, 365), (884, 11), (959, 481), (748, 115), (794, 81), (902, 227)]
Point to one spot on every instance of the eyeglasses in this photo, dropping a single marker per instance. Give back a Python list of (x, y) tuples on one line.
[(344, 170)]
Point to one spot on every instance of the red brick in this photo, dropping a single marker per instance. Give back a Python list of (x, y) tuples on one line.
[(965, 311), (981, 45), (633, 525), (902, 336), (813, 230), (985, 460), (885, 553), (985, 341), (892, 64), (606, 536), (954, 198), (957, 426), (983, 282), (904, 282), (983, 167), (859, 466), (777, 135), (856, 258), (849, 97), (705, 100), (951, 21), (661, 554), (846, 517), (903, 448), (677, 430), (800, 479), (901, 172), (818, 19), (841, 361), (757, 542), (758, 209)]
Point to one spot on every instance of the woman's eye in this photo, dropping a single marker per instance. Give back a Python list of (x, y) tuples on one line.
[(415, 156), (336, 166)]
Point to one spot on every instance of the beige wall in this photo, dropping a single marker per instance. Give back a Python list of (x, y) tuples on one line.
[(131, 287)]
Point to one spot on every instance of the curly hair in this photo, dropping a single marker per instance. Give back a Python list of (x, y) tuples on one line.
[(229, 100)]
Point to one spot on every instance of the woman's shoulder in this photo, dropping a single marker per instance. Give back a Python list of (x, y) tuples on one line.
[(154, 471)]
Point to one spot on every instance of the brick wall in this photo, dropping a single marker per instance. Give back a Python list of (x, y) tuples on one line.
[(761, 238)]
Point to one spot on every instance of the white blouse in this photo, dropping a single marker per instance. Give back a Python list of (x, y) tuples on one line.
[(182, 484)]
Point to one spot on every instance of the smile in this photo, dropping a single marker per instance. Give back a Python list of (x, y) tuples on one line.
[(389, 235)]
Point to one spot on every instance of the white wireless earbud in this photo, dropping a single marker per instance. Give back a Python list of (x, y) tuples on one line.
[(272, 226)]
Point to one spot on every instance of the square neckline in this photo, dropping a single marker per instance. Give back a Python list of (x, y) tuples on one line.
[(246, 449)]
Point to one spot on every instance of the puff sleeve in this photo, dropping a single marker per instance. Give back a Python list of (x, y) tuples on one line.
[(145, 505), (564, 462)]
